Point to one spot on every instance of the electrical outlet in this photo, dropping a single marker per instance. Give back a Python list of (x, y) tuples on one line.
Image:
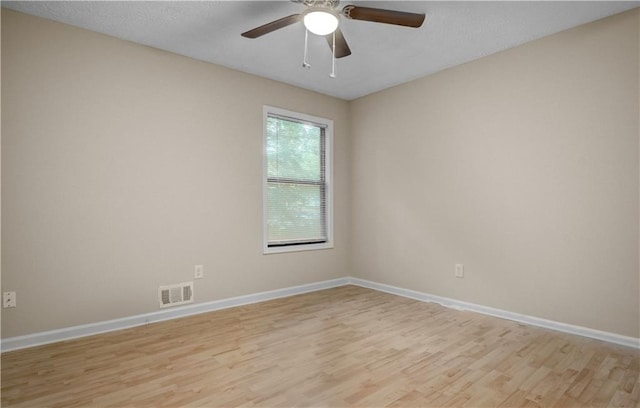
[(198, 272), (8, 299), (459, 271)]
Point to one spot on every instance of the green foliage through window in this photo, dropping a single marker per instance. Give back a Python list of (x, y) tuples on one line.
[(296, 183)]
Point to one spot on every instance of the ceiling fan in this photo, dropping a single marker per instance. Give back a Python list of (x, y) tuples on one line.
[(323, 18)]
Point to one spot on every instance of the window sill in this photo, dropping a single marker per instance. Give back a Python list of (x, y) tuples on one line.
[(297, 248)]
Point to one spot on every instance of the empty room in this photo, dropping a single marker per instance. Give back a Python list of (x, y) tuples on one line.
[(320, 203)]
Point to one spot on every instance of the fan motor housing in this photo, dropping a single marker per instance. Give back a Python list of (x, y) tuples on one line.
[(321, 3)]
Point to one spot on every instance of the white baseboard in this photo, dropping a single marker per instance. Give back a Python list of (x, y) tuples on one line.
[(531, 320), (68, 333)]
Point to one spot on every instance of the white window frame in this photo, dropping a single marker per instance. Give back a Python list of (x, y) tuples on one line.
[(327, 124)]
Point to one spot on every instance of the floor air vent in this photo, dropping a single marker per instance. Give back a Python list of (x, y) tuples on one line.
[(175, 295)]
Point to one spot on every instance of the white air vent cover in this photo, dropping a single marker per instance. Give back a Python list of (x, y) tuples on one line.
[(174, 295)]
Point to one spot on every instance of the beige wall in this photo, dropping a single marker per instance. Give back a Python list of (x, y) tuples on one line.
[(117, 161), (123, 166), (523, 166)]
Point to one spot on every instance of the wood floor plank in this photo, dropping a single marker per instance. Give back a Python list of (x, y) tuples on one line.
[(341, 347)]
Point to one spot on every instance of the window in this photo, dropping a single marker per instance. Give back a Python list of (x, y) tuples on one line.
[(297, 181)]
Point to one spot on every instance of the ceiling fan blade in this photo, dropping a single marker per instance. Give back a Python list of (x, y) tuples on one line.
[(376, 15), (272, 26), (342, 48)]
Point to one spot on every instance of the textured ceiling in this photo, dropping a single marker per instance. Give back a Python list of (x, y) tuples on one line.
[(383, 55)]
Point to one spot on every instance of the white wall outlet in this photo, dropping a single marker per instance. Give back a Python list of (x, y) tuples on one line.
[(8, 299), (459, 271), (198, 272)]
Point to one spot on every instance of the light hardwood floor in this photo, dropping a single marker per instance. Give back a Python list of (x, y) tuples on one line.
[(340, 347)]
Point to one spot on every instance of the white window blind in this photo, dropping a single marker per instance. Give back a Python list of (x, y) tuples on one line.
[(297, 189)]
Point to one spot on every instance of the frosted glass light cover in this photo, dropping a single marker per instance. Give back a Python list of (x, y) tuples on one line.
[(320, 22)]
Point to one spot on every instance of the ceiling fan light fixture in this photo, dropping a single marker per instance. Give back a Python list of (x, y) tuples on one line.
[(320, 22)]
